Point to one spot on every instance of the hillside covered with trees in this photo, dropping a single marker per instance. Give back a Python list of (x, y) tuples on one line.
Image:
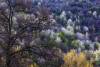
[(49, 33)]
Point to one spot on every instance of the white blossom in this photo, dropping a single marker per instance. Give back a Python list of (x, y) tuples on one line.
[(69, 22), (58, 39), (80, 35), (68, 31), (85, 28), (41, 60), (63, 15), (95, 13), (3, 5)]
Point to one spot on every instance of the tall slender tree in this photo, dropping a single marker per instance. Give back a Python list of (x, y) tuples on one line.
[(20, 30)]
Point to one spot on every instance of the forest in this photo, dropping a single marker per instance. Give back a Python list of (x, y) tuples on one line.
[(49, 33)]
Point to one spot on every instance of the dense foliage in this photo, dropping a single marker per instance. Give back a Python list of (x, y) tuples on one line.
[(42, 33), (72, 59)]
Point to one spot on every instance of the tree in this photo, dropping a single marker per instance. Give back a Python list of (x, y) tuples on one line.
[(20, 43), (72, 59)]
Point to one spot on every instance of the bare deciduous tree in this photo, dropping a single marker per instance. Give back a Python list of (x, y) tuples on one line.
[(19, 33)]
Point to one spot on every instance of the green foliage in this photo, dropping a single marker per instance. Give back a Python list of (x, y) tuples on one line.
[(63, 37), (68, 40), (96, 46), (52, 43), (97, 63), (87, 47), (75, 44)]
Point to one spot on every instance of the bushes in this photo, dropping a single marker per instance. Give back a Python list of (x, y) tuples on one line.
[(72, 59)]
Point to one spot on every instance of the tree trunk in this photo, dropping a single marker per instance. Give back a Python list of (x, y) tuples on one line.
[(8, 58)]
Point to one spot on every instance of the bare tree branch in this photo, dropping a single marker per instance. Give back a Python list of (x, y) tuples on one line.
[(26, 48)]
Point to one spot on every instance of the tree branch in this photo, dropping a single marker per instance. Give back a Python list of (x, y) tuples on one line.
[(27, 48)]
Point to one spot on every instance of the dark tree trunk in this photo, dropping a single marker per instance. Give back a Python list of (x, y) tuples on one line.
[(8, 58)]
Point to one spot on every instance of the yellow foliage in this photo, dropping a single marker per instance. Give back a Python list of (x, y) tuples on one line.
[(33, 65), (72, 59), (96, 55), (17, 48)]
